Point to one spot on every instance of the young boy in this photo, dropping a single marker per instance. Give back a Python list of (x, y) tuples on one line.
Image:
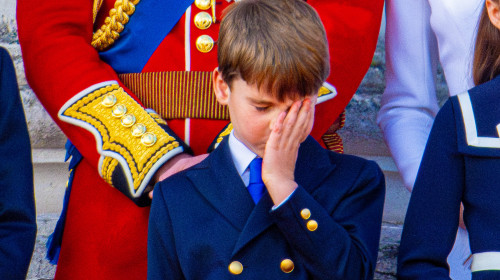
[(317, 216)]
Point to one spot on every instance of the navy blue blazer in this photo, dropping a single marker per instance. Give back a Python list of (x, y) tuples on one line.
[(461, 162), (202, 220), (17, 204)]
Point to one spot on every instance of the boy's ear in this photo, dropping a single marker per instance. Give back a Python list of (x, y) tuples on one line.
[(221, 88), (493, 8)]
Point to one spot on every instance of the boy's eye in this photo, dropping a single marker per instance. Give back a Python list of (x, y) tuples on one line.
[(261, 109)]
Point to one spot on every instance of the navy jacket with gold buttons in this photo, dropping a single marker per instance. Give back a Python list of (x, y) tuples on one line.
[(204, 224), (461, 163)]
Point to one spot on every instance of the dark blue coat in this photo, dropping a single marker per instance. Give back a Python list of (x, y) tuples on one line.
[(461, 162), (204, 218), (17, 205)]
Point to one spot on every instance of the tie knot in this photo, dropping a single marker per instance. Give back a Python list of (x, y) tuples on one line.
[(256, 171)]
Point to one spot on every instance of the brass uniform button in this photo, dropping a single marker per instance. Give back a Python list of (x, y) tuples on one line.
[(203, 20), (118, 110), (128, 120), (138, 130), (312, 225), (108, 100), (287, 265), (204, 43), (148, 139), (235, 267), (203, 4), (305, 213)]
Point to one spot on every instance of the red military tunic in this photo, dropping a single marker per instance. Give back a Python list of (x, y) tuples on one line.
[(122, 144)]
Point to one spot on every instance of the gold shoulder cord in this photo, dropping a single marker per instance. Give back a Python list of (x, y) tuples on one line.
[(95, 9), (113, 24)]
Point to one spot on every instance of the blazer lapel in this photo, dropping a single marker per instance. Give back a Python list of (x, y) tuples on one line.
[(259, 221), (219, 182), (313, 165)]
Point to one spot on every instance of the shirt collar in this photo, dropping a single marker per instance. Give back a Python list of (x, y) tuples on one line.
[(241, 154)]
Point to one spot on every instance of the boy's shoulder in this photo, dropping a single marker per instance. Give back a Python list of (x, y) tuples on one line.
[(312, 154), (340, 173), (181, 179)]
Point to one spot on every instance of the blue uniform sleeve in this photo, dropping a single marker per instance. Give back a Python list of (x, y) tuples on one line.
[(162, 258), (433, 213), (340, 243), (17, 204)]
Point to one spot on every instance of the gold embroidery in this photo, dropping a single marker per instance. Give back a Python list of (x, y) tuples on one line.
[(117, 138), (226, 132), (108, 167), (113, 24), (323, 91), (157, 118)]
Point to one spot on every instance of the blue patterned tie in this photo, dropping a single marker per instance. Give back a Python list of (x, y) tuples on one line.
[(256, 187)]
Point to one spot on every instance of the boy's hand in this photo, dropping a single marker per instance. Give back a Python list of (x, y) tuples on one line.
[(289, 130)]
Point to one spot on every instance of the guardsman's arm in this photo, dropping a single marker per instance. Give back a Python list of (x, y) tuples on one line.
[(101, 117)]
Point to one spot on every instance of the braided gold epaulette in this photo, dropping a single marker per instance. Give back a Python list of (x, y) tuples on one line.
[(113, 24)]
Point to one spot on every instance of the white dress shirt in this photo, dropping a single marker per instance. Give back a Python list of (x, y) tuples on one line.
[(242, 156)]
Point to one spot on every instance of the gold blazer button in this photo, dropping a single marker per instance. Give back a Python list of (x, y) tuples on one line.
[(287, 265), (235, 267), (305, 213), (204, 43), (312, 225)]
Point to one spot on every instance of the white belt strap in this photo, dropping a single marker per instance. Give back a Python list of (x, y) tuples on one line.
[(485, 261)]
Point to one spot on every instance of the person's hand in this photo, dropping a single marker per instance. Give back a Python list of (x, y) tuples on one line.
[(289, 131), (174, 165)]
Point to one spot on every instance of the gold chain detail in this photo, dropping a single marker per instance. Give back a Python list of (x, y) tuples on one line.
[(113, 24), (95, 9)]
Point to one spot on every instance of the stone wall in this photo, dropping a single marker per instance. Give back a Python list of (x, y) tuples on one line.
[(43, 132)]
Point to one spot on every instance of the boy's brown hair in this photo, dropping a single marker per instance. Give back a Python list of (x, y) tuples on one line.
[(278, 45)]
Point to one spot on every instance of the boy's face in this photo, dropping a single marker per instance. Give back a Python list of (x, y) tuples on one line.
[(253, 113)]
